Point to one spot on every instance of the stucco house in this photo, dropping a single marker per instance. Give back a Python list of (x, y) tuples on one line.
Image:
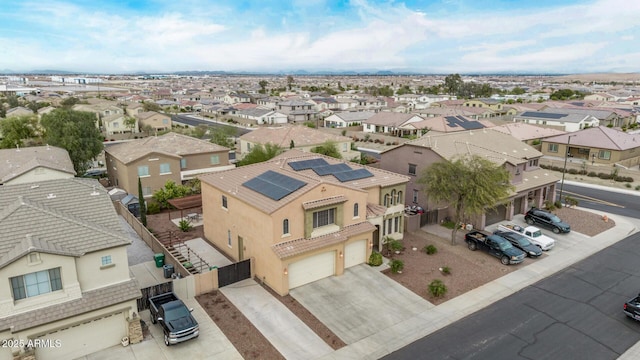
[(64, 260), (302, 216), (297, 110), (154, 120), (117, 124), (18, 111), (158, 159), (262, 116), (32, 164), (386, 122), (532, 184), (528, 133), (561, 120), (347, 118), (598, 145)]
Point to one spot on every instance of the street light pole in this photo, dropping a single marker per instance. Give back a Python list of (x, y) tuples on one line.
[(564, 169)]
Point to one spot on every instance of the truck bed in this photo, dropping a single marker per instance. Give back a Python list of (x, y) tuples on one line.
[(158, 300)]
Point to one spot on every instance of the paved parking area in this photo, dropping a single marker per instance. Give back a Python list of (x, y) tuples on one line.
[(359, 303)]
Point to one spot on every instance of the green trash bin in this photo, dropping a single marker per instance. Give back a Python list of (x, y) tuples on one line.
[(159, 258)]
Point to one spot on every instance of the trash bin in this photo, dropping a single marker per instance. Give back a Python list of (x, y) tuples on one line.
[(159, 258), (168, 271)]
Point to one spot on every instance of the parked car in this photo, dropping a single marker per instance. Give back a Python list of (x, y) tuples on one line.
[(172, 314), (546, 219), (532, 233), (521, 242), (632, 308), (495, 246)]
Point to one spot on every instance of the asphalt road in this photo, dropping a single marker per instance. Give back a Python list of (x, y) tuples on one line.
[(606, 201), (575, 314), (194, 121)]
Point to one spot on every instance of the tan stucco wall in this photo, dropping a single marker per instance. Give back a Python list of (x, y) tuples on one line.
[(156, 121), (92, 276), (203, 161)]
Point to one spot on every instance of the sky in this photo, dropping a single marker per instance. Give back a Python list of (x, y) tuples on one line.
[(429, 36)]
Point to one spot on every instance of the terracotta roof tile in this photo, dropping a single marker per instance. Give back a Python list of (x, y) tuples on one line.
[(324, 202)]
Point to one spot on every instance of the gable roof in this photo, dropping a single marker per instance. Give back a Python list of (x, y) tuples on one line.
[(283, 135), (15, 162), (354, 115), (66, 217), (386, 118), (523, 131), (553, 116), (600, 137), (449, 124), (172, 144)]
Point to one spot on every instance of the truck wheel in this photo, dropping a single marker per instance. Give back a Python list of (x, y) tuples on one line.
[(472, 246), (166, 340), (530, 221), (504, 260), (556, 230)]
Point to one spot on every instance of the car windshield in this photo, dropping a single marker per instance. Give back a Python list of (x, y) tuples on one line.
[(505, 245), (555, 219)]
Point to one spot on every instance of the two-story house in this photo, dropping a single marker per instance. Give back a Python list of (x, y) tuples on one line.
[(37, 163), (562, 120), (154, 120), (63, 260), (532, 184), (302, 216), (158, 159), (297, 110)]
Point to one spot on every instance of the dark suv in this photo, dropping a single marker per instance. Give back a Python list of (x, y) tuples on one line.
[(546, 219)]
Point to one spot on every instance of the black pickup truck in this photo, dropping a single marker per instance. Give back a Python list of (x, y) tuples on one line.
[(175, 318), (632, 308), (494, 245)]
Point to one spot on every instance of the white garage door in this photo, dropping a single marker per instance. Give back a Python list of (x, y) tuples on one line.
[(84, 339), (311, 269), (355, 253)]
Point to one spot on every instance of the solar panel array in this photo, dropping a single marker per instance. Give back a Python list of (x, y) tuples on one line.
[(543, 115), (453, 121), (274, 185), (340, 171)]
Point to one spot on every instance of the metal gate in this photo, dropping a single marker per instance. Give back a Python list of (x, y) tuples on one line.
[(143, 302), (429, 218), (233, 273)]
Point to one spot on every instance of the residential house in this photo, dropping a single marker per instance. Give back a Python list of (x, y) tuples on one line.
[(301, 137), (562, 120), (597, 145), (32, 164), (134, 109), (495, 105), (347, 118), (532, 184), (302, 216), (391, 123), (606, 117), (444, 124), (235, 98), (154, 120), (18, 111), (297, 110), (600, 97), (262, 116), (63, 255), (527, 133), (120, 124), (158, 159)]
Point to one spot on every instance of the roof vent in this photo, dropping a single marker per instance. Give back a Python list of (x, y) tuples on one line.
[(35, 186), (51, 196), (94, 192)]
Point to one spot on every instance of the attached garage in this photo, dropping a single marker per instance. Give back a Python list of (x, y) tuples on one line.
[(313, 268), (84, 338), (495, 215), (355, 253)]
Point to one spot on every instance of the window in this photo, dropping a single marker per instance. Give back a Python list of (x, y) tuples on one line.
[(396, 224), (412, 169), (393, 197), (344, 147), (106, 260), (37, 283), (533, 162), (355, 210), (553, 148), (224, 202), (143, 170), (146, 191), (389, 228), (285, 226), (183, 163), (386, 200), (604, 154), (399, 198), (115, 124), (165, 121), (415, 195), (215, 159), (229, 238), (583, 151), (323, 218), (165, 168)]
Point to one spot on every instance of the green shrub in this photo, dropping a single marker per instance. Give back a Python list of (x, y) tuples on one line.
[(437, 288), (592, 174), (549, 205), (375, 259), (572, 171), (396, 266), (628, 185), (558, 204), (637, 187), (392, 244), (446, 270), (604, 176), (430, 249), (185, 225), (570, 201), (343, 132), (448, 224), (153, 208)]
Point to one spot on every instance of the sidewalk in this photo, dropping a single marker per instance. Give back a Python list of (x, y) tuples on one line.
[(390, 339)]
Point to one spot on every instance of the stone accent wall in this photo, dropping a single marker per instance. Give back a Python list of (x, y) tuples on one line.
[(135, 330)]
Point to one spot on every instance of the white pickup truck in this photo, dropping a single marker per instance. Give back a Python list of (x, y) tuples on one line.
[(532, 233)]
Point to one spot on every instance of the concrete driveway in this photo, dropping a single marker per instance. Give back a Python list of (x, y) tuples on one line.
[(359, 303)]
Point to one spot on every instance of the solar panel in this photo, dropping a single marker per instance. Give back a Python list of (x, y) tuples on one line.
[(453, 121), (274, 185), (330, 169), (543, 115), (352, 175), (307, 164)]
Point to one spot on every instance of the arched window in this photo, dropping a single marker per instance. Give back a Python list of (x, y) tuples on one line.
[(399, 198), (386, 200), (355, 210), (285, 226), (393, 197)]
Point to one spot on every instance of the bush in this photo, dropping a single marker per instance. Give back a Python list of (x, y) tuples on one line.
[(549, 205), (430, 249), (604, 176), (592, 174), (437, 288), (343, 132), (448, 224), (558, 204), (375, 259), (637, 187), (185, 225), (153, 208), (628, 185), (572, 171), (570, 201), (392, 244), (396, 266), (446, 270)]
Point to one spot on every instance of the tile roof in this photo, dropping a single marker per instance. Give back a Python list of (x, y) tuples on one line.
[(16, 162), (172, 144), (66, 216), (492, 145), (299, 246), (599, 137), (387, 118), (324, 202), (90, 301), (300, 134), (523, 131), (552, 116), (230, 181), (532, 179), (354, 115), (375, 210)]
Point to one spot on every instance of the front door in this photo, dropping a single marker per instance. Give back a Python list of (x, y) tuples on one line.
[(240, 248)]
